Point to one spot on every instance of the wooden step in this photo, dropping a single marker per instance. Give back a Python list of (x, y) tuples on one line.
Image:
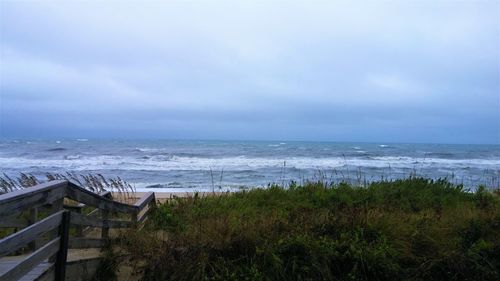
[(43, 271)]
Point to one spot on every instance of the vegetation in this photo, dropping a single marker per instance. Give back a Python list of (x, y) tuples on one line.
[(93, 182), (412, 229)]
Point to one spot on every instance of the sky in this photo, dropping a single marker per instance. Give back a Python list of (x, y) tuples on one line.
[(393, 71)]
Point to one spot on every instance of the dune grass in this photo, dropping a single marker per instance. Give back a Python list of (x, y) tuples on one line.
[(412, 229)]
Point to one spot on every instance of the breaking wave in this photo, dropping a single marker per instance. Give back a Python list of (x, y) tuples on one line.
[(174, 162)]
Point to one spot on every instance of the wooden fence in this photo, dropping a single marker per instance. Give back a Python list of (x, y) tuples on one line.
[(42, 219)]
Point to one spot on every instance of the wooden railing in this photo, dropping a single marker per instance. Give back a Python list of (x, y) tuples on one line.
[(48, 201)]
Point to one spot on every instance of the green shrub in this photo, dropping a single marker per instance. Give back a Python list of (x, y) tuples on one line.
[(413, 229)]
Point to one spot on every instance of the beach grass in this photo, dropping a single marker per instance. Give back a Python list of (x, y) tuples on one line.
[(410, 229)]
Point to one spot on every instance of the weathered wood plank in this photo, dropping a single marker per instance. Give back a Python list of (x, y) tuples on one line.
[(26, 192), (143, 212), (27, 264), (40, 272), (84, 243), (48, 274), (78, 219), (145, 200), (79, 194), (31, 197), (143, 215), (28, 234)]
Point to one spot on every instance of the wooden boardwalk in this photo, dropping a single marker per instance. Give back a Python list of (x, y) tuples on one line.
[(43, 271), (41, 248)]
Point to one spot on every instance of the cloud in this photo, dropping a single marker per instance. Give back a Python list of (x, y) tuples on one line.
[(330, 70)]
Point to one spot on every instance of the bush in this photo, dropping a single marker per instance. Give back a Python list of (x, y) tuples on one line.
[(413, 229)]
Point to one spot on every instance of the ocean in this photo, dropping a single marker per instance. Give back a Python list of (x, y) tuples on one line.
[(189, 165)]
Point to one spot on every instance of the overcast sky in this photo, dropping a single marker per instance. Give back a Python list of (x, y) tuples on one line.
[(401, 71)]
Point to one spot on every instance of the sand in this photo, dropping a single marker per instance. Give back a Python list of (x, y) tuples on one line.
[(162, 196)]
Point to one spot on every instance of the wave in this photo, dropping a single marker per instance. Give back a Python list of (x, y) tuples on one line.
[(386, 146), (440, 154), (166, 154), (238, 163), (147, 149), (56, 149), (72, 157)]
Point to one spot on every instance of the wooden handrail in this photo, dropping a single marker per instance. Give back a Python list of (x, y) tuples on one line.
[(31, 197), (17, 240), (27, 264), (147, 199), (12, 206), (89, 198), (144, 200), (57, 245)]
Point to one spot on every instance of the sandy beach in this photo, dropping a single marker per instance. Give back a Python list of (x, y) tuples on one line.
[(162, 196)]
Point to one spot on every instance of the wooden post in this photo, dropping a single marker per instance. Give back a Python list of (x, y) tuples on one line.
[(134, 219), (105, 227), (79, 228), (33, 219), (62, 254), (105, 216)]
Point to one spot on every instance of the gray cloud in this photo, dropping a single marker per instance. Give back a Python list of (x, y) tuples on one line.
[(426, 71)]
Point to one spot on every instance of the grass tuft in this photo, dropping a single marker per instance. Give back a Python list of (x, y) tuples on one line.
[(410, 229)]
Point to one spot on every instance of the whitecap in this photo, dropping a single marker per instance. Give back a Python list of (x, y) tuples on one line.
[(152, 150), (72, 157), (238, 163)]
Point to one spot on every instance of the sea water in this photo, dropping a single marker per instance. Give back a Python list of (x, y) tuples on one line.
[(189, 165)]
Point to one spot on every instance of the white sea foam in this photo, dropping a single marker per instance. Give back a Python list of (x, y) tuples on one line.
[(72, 157), (151, 150), (238, 163), (82, 139)]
